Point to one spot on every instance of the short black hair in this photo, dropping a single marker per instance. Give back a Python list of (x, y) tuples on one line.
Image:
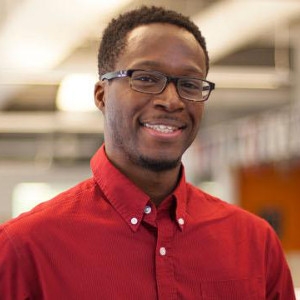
[(115, 35)]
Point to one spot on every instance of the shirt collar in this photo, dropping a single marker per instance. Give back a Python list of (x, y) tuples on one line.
[(128, 200)]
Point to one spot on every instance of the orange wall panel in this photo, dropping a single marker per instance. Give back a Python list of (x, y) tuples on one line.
[(273, 191)]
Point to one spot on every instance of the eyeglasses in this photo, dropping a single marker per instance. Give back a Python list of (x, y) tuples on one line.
[(153, 82)]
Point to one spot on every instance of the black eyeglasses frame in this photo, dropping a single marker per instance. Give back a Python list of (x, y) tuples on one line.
[(174, 79)]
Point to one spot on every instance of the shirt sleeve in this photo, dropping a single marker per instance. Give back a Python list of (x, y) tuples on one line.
[(13, 282), (278, 276)]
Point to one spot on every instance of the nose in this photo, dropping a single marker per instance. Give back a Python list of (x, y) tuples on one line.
[(169, 98)]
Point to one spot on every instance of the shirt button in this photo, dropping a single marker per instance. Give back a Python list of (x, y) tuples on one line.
[(181, 221), (147, 210), (134, 221), (162, 251)]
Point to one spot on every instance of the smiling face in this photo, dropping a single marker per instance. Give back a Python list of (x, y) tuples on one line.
[(152, 131)]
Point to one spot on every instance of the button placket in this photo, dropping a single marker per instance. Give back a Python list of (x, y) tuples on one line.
[(166, 229)]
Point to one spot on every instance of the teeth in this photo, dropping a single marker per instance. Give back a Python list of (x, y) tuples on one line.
[(161, 128)]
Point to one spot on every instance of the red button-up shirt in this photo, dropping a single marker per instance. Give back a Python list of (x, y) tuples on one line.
[(104, 239)]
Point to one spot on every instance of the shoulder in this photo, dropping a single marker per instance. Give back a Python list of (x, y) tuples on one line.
[(210, 208), (232, 224), (65, 203)]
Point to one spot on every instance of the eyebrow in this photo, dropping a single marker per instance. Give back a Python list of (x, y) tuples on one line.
[(156, 65)]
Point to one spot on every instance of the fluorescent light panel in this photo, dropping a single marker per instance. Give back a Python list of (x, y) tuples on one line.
[(39, 34)]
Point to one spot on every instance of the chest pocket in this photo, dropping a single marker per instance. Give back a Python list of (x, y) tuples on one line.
[(242, 289)]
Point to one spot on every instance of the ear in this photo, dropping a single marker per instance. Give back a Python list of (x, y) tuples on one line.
[(99, 95)]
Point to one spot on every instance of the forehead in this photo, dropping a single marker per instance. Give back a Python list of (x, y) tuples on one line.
[(163, 44)]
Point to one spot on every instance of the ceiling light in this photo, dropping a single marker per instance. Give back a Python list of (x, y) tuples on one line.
[(76, 93), (38, 35)]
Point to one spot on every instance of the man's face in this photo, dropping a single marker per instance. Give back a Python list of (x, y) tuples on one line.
[(152, 131)]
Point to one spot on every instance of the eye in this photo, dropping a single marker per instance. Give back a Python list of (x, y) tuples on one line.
[(191, 84), (146, 77)]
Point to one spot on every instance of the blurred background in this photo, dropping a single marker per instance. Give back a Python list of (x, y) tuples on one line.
[(248, 149)]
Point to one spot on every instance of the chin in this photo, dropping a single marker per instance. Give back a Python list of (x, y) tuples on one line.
[(158, 164)]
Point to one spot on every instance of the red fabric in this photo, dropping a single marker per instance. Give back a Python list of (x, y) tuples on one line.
[(84, 244)]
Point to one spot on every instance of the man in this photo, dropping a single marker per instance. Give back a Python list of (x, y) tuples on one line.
[(137, 230)]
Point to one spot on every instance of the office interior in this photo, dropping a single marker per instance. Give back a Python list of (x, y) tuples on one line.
[(248, 148)]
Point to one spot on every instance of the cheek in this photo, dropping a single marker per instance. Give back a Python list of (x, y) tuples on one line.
[(114, 117), (118, 115), (126, 104), (196, 114)]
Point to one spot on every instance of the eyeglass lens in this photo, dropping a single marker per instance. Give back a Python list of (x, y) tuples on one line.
[(154, 83)]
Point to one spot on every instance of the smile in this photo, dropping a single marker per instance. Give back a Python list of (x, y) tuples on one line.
[(161, 128)]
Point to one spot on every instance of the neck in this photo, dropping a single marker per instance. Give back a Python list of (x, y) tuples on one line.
[(157, 185)]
